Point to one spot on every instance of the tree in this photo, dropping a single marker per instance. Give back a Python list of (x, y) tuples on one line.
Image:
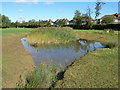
[(32, 23), (108, 20), (88, 11), (12, 24), (17, 24), (87, 16), (77, 18), (48, 24), (0, 21), (5, 21), (89, 24), (61, 23), (98, 8), (39, 23), (23, 24)]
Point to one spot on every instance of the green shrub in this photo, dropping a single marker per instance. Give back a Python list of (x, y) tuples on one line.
[(111, 31), (112, 44), (108, 20), (42, 77), (105, 30)]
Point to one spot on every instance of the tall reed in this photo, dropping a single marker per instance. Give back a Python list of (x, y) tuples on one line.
[(42, 77), (51, 35)]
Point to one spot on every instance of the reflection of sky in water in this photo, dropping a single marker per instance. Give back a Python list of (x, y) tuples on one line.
[(60, 54)]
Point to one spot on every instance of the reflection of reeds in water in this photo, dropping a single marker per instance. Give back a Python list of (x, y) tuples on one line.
[(75, 45), (48, 72)]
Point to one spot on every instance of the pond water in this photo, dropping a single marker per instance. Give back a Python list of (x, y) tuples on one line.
[(61, 54)]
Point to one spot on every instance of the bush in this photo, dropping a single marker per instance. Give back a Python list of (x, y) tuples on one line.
[(42, 77), (108, 20), (112, 44), (111, 31), (97, 27)]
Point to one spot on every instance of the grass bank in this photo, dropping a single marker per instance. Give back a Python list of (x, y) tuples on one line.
[(97, 69), (14, 57), (96, 35), (51, 35), (44, 76)]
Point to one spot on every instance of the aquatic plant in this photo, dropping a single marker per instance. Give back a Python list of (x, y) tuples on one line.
[(112, 44), (42, 77), (51, 35)]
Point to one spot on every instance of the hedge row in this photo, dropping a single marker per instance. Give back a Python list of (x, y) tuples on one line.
[(97, 27)]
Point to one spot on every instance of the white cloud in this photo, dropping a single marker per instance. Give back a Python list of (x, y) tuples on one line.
[(20, 10), (26, 1), (21, 1), (22, 17), (48, 3), (35, 1)]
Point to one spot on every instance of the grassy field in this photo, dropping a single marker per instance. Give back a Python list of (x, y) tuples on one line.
[(97, 69), (97, 35), (14, 57), (16, 31)]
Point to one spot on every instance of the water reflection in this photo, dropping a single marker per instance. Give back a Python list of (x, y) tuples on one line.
[(60, 53)]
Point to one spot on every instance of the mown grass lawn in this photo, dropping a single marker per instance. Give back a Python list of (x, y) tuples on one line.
[(97, 69), (14, 57), (97, 35), (9, 31)]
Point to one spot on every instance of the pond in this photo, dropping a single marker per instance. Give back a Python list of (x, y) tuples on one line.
[(61, 54)]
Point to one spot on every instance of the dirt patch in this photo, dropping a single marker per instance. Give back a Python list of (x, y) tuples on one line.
[(15, 60)]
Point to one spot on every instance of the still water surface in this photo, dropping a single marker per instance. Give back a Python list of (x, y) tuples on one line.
[(61, 53)]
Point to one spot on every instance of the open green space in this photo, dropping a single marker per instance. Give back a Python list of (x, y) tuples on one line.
[(96, 69), (7, 31), (14, 58)]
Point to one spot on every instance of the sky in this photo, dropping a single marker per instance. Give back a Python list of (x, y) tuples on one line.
[(19, 11)]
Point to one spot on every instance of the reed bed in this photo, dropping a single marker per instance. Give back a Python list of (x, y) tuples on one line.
[(51, 35), (112, 44), (42, 77)]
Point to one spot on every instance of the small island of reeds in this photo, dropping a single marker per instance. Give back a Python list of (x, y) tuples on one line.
[(47, 35)]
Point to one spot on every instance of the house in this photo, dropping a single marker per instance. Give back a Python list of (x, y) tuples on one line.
[(85, 20), (115, 16), (64, 20), (71, 22), (44, 22), (51, 22)]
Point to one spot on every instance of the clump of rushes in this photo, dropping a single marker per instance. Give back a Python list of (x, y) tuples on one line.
[(51, 35), (112, 44), (42, 77)]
